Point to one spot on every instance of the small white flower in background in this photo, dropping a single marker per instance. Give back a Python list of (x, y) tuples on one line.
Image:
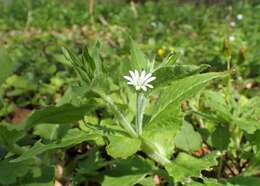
[(153, 24), (231, 38), (140, 80), (239, 16), (233, 24)]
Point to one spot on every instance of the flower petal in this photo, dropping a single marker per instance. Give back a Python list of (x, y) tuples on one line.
[(134, 79), (137, 87), (150, 79), (147, 76), (144, 88), (128, 78), (149, 85), (142, 76)]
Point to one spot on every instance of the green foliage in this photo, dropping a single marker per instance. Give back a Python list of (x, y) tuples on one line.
[(243, 180), (138, 59), (122, 146), (11, 171), (180, 90), (73, 137), (220, 138), (186, 166), (9, 135), (69, 117), (187, 139), (6, 66), (130, 172), (64, 114)]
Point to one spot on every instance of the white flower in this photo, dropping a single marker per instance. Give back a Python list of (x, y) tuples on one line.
[(233, 24), (140, 80), (239, 16), (231, 38)]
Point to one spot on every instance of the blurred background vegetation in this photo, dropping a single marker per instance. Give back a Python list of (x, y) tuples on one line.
[(35, 74), (199, 31)]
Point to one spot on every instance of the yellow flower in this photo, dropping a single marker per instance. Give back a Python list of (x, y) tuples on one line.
[(161, 52)]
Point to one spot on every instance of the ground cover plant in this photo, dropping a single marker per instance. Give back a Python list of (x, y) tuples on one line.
[(82, 103)]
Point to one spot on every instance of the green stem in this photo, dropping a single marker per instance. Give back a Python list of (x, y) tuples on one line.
[(153, 152), (221, 165), (122, 120), (140, 105), (229, 79), (17, 149), (20, 150)]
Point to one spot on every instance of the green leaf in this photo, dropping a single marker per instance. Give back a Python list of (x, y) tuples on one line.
[(245, 181), (73, 95), (186, 165), (220, 138), (80, 66), (122, 146), (208, 182), (247, 124), (73, 137), (138, 59), (124, 123), (166, 74), (6, 65), (127, 172), (216, 102), (88, 68), (64, 114), (40, 176), (182, 89), (256, 142), (47, 131), (158, 142), (9, 135), (187, 139), (10, 171), (218, 110), (166, 116), (147, 181), (91, 163)]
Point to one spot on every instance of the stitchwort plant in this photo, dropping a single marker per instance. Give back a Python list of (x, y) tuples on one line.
[(140, 126)]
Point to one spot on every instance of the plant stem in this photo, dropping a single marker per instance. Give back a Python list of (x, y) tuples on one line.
[(17, 149), (221, 165), (122, 120), (140, 105), (229, 75), (20, 150)]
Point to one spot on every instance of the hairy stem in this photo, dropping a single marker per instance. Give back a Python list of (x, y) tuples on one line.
[(140, 105), (122, 120)]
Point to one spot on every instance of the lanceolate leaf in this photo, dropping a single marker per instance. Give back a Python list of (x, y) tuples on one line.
[(186, 165), (138, 59), (182, 89), (64, 114), (160, 133), (167, 74), (73, 137)]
